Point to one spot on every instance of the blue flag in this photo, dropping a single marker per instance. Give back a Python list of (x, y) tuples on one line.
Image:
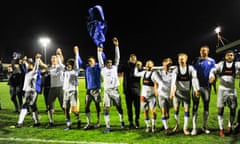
[(96, 25)]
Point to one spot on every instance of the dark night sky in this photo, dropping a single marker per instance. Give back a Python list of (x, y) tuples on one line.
[(151, 29)]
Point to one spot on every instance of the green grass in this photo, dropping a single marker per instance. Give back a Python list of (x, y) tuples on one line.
[(27, 133)]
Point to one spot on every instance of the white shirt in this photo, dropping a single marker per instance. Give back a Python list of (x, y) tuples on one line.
[(227, 82), (110, 76), (70, 80), (164, 80), (185, 85), (30, 78), (146, 90)]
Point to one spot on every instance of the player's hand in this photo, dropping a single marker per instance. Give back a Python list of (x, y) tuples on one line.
[(139, 64), (38, 55), (115, 41), (59, 51), (211, 80), (197, 93), (42, 64), (100, 49), (75, 49)]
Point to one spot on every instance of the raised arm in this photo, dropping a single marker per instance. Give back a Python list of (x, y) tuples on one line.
[(59, 52), (37, 61), (42, 65), (76, 52), (78, 57), (100, 58), (117, 52), (60, 58)]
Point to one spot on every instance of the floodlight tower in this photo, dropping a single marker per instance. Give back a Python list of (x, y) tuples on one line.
[(45, 42), (219, 37)]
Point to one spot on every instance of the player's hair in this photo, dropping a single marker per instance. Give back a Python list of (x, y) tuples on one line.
[(229, 51), (167, 59), (150, 61), (70, 62), (131, 55), (205, 46)]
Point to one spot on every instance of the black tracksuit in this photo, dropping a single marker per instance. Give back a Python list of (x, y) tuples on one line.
[(131, 86)]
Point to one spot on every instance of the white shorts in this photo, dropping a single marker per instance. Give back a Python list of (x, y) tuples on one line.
[(30, 98), (70, 97), (182, 96), (164, 102), (148, 103), (226, 97), (111, 94)]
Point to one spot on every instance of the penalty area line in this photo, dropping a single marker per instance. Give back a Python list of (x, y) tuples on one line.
[(51, 141)]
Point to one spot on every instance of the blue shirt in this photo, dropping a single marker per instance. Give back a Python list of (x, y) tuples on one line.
[(92, 75), (203, 67)]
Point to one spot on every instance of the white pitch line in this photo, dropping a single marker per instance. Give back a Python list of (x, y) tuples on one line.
[(52, 141)]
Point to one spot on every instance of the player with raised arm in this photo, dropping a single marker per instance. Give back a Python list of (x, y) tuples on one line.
[(30, 96), (70, 90), (111, 84)]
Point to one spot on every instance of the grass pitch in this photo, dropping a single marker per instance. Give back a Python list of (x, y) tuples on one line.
[(29, 134)]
